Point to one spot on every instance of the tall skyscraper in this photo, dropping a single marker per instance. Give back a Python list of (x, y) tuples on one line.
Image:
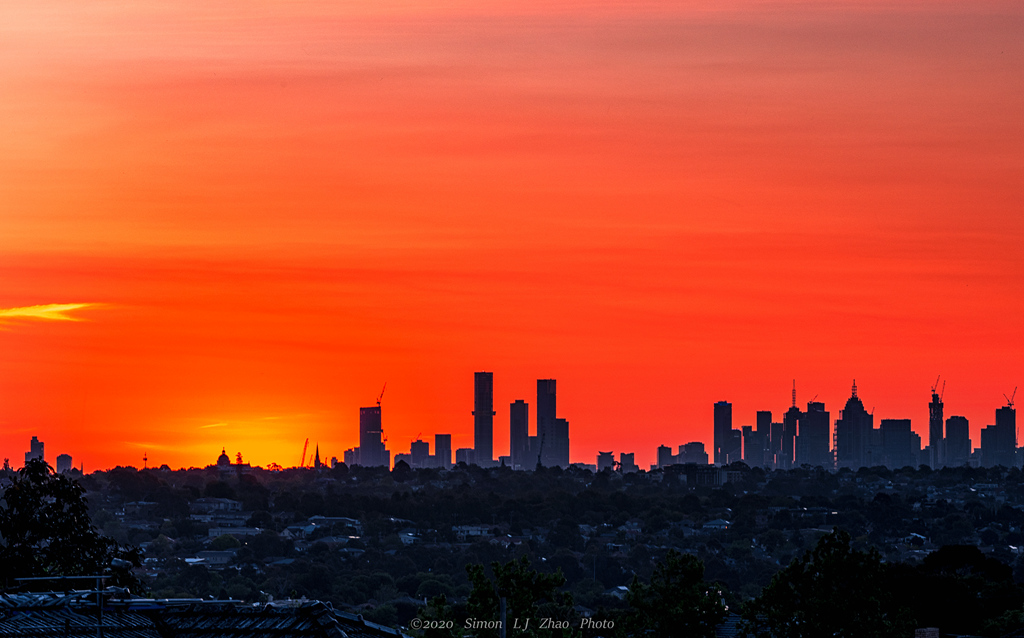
[(519, 435), (1004, 441), (443, 450), (813, 441), (560, 449), (957, 441), (790, 424), (733, 450), (935, 439), (419, 454), (35, 450), (371, 452), (552, 432), (665, 456), (853, 433), (545, 407), (723, 431), (483, 418), (605, 461), (897, 450)]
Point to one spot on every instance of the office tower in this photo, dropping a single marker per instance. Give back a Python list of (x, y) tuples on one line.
[(755, 446), (464, 455), (790, 423), (560, 450), (443, 450), (35, 450), (605, 461), (812, 442), (627, 464), (935, 444), (419, 454), (957, 441), (918, 455), (371, 451), (665, 456), (897, 449), (853, 433), (693, 453), (723, 430), (999, 441), (483, 418), (748, 444), (545, 420), (519, 435), (552, 432), (764, 423), (63, 463), (1006, 421), (775, 444), (733, 451)]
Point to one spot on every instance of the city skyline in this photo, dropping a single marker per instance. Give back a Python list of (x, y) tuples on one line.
[(797, 438), (230, 226)]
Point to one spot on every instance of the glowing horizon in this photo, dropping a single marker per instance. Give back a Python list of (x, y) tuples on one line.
[(227, 225)]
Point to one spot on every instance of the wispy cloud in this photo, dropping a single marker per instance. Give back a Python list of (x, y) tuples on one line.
[(212, 425), (46, 312)]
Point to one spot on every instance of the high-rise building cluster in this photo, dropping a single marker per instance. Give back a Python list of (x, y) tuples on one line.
[(36, 450), (548, 447), (804, 437)]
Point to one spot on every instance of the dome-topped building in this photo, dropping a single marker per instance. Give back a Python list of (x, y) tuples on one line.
[(223, 460)]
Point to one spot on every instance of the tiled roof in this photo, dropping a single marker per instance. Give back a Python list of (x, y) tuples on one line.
[(77, 614)]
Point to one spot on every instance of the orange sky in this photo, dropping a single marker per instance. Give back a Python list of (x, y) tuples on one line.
[(270, 209)]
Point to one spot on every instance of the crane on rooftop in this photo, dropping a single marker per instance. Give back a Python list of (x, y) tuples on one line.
[(1009, 399), (302, 462)]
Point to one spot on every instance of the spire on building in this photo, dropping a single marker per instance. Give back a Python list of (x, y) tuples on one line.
[(794, 393), (855, 387), (316, 458)]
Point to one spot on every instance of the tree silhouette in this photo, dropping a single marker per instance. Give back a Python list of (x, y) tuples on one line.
[(45, 530), (528, 594), (830, 591), (676, 601)]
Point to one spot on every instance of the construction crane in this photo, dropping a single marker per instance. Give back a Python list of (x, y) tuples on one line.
[(302, 462), (382, 393), (1009, 399)]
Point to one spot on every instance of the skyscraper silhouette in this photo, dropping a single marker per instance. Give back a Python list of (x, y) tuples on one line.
[(812, 443), (936, 458), (371, 452), (723, 431), (483, 419), (957, 442), (897, 450), (853, 433), (35, 450), (552, 432), (443, 450), (519, 434), (790, 423)]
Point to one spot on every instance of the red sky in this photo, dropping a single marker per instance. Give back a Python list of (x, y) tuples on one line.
[(272, 209)]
